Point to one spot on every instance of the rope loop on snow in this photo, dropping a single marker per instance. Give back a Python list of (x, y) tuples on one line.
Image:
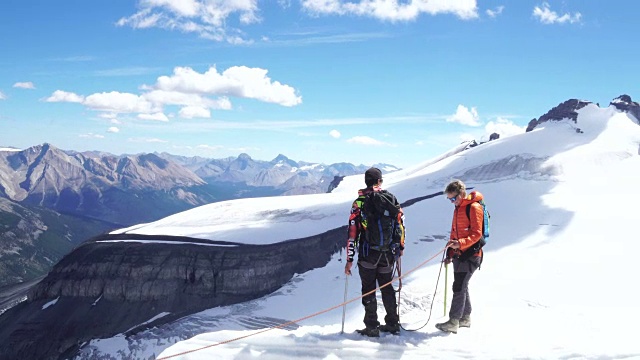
[(308, 316)]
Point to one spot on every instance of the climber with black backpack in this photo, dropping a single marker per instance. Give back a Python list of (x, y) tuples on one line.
[(376, 229), (469, 233)]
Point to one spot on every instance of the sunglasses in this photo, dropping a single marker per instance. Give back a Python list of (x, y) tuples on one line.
[(453, 199)]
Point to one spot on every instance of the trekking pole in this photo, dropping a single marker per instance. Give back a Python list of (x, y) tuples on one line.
[(399, 266), (446, 285), (344, 307)]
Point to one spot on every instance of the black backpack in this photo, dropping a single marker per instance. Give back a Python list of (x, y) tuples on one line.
[(381, 214)]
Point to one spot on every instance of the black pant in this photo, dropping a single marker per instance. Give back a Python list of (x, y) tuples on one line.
[(377, 266), (462, 272)]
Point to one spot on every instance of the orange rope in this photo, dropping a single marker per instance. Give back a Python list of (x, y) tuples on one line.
[(306, 317)]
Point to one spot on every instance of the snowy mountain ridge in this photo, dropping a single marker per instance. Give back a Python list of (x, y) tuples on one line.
[(544, 169), (557, 200)]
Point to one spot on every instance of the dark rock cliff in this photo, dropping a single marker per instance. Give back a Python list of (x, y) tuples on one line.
[(624, 103), (106, 288), (565, 110)]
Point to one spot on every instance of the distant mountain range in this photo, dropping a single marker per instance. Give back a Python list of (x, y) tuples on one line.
[(68, 196)]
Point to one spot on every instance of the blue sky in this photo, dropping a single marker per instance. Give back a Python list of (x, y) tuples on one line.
[(359, 81)]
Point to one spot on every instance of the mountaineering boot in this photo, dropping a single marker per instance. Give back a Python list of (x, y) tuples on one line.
[(370, 332), (449, 326), (465, 321), (390, 328)]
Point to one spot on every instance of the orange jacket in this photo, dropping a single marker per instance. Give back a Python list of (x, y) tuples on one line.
[(468, 230)]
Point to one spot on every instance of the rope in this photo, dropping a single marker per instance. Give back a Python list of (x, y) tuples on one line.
[(432, 299), (306, 317)]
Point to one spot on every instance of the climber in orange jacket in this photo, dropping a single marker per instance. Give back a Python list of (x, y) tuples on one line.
[(464, 250)]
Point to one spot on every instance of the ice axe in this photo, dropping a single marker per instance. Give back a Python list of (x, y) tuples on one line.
[(446, 286), (344, 306)]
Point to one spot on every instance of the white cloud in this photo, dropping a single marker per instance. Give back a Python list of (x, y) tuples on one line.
[(112, 117), (190, 112), (2, 96), (544, 14), (147, 140), (24, 85), (126, 71), (210, 148), (393, 10), (155, 116), (465, 116), (335, 134), (495, 12), (76, 58), (118, 102), (238, 81), (366, 140), (189, 89), (163, 97), (312, 38), (108, 116), (504, 127), (64, 96), (284, 3), (92, 136), (419, 143), (207, 18), (113, 129)]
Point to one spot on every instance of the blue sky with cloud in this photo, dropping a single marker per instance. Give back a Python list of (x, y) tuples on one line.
[(359, 81)]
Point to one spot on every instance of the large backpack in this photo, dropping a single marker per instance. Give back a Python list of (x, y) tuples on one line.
[(381, 216), (485, 223), (485, 232)]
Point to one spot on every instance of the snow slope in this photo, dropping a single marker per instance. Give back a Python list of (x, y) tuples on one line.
[(556, 282)]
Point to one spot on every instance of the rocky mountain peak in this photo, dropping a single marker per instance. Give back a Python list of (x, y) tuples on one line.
[(624, 103), (282, 159), (566, 110), (153, 159)]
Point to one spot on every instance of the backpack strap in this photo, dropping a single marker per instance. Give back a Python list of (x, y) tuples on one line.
[(468, 211)]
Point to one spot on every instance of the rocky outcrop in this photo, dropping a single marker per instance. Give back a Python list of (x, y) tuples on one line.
[(624, 103), (334, 183), (566, 110), (494, 136), (105, 288)]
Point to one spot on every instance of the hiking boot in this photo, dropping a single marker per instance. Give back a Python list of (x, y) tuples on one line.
[(392, 329), (370, 332), (465, 321), (449, 326)]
